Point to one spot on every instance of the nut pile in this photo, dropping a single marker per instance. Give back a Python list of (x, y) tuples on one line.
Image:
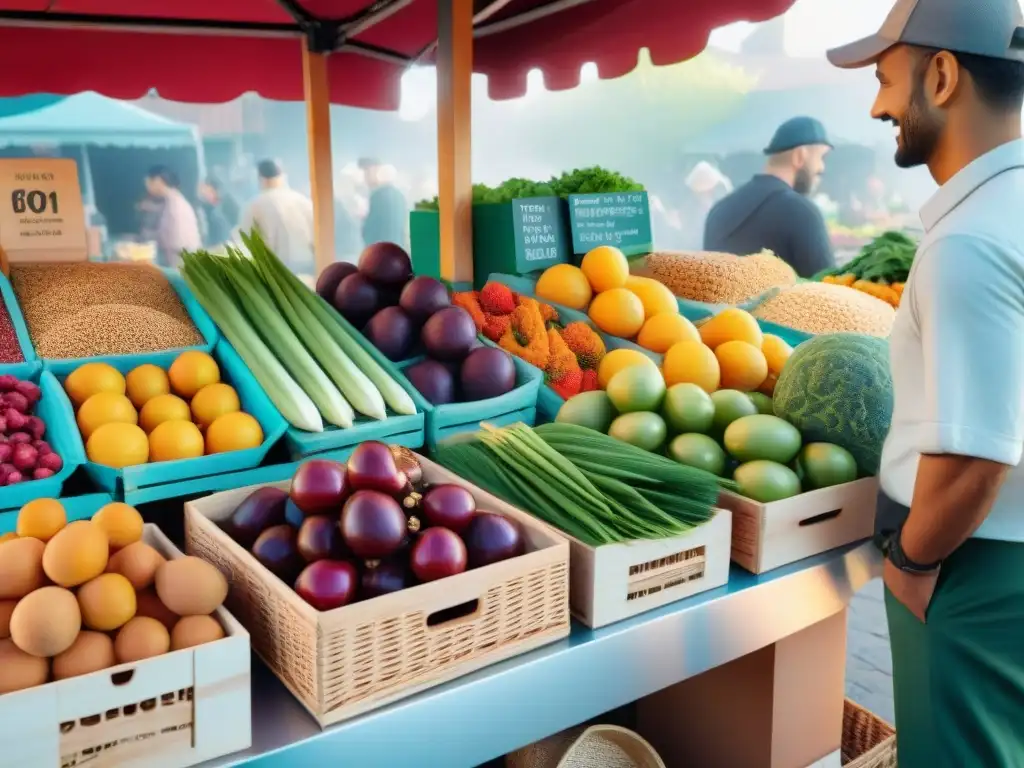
[(719, 278), (825, 308), (84, 310)]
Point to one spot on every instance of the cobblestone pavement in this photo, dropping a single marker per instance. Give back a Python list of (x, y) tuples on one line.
[(868, 662)]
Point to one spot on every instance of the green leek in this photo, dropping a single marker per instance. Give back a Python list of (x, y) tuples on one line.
[(397, 398), (286, 395), (259, 306), (354, 384)]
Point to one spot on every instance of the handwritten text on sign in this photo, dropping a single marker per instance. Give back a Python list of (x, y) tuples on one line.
[(540, 235), (41, 212), (621, 219)]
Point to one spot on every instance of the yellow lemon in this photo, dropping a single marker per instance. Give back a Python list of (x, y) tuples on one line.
[(86, 380), (191, 371), (233, 432), (662, 331), (691, 362), (105, 408), (605, 267), (118, 445), (163, 408), (566, 285), (732, 324), (175, 440), (743, 366), (618, 359), (776, 352), (146, 382), (655, 296), (212, 401), (618, 312)]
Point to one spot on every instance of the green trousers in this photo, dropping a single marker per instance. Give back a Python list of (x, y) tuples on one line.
[(959, 678)]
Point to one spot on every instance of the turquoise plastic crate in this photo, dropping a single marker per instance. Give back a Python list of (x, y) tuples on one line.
[(549, 403), (407, 430), (61, 433), (518, 405), (791, 336), (168, 479), (75, 507), (526, 286), (204, 324), (31, 364)]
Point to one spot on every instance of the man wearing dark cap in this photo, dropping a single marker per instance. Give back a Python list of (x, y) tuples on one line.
[(951, 509), (772, 210)]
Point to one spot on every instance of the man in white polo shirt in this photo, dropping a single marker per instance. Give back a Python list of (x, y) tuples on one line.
[(951, 513)]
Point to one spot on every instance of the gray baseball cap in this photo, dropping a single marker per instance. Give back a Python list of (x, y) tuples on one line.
[(991, 28)]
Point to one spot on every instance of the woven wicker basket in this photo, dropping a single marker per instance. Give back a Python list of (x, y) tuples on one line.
[(868, 741), (600, 746)]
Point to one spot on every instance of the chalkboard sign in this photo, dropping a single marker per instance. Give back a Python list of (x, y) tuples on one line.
[(622, 219), (538, 225)]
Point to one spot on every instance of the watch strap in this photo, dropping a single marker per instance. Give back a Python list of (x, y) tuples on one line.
[(896, 555)]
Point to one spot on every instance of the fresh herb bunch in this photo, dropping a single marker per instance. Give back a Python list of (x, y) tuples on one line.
[(576, 182), (887, 258)]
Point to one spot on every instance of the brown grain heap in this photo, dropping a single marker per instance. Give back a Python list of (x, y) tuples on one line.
[(84, 310), (824, 308), (719, 278)]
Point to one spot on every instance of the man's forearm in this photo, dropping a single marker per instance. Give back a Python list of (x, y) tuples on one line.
[(952, 497)]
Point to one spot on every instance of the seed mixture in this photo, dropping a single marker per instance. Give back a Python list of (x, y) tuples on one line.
[(10, 350), (83, 310), (825, 308), (719, 278)]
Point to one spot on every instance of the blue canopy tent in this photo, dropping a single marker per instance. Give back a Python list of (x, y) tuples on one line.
[(114, 143)]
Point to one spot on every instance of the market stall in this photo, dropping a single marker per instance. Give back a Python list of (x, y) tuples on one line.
[(115, 144), (407, 612)]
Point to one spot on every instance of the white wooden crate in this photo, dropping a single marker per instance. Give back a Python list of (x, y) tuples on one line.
[(171, 711), (767, 536), (615, 581)]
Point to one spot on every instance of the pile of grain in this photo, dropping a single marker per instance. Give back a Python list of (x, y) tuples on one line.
[(719, 278), (83, 310), (825, 308)]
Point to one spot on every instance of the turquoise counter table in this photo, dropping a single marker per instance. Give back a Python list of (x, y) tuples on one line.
[(773, 648)]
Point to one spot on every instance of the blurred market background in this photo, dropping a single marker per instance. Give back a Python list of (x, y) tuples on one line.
[(656, 125)]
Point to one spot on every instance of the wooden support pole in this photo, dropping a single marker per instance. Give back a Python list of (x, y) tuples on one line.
[(321, 168), (454, 128)]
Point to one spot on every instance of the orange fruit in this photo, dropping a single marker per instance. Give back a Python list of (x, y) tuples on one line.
[(146, 382), (233, 432), (605, 267), (163, 408), (566, 285), (691, 362), (105, 408), (617, 311), (663, 330), (768, 385), (776, 352), (191, 371), (655, 296), (743, 366), (175, 440), (121, 522), (212, 401), (41, 519), (732, 324), (118, 445), (86, 380)]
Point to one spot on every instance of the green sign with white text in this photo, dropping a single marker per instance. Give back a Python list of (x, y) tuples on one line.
[(622, 219)]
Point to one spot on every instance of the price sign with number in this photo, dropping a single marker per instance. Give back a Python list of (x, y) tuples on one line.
[(41, 213)]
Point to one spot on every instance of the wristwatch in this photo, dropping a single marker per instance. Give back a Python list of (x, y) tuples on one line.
[(893, 550)]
